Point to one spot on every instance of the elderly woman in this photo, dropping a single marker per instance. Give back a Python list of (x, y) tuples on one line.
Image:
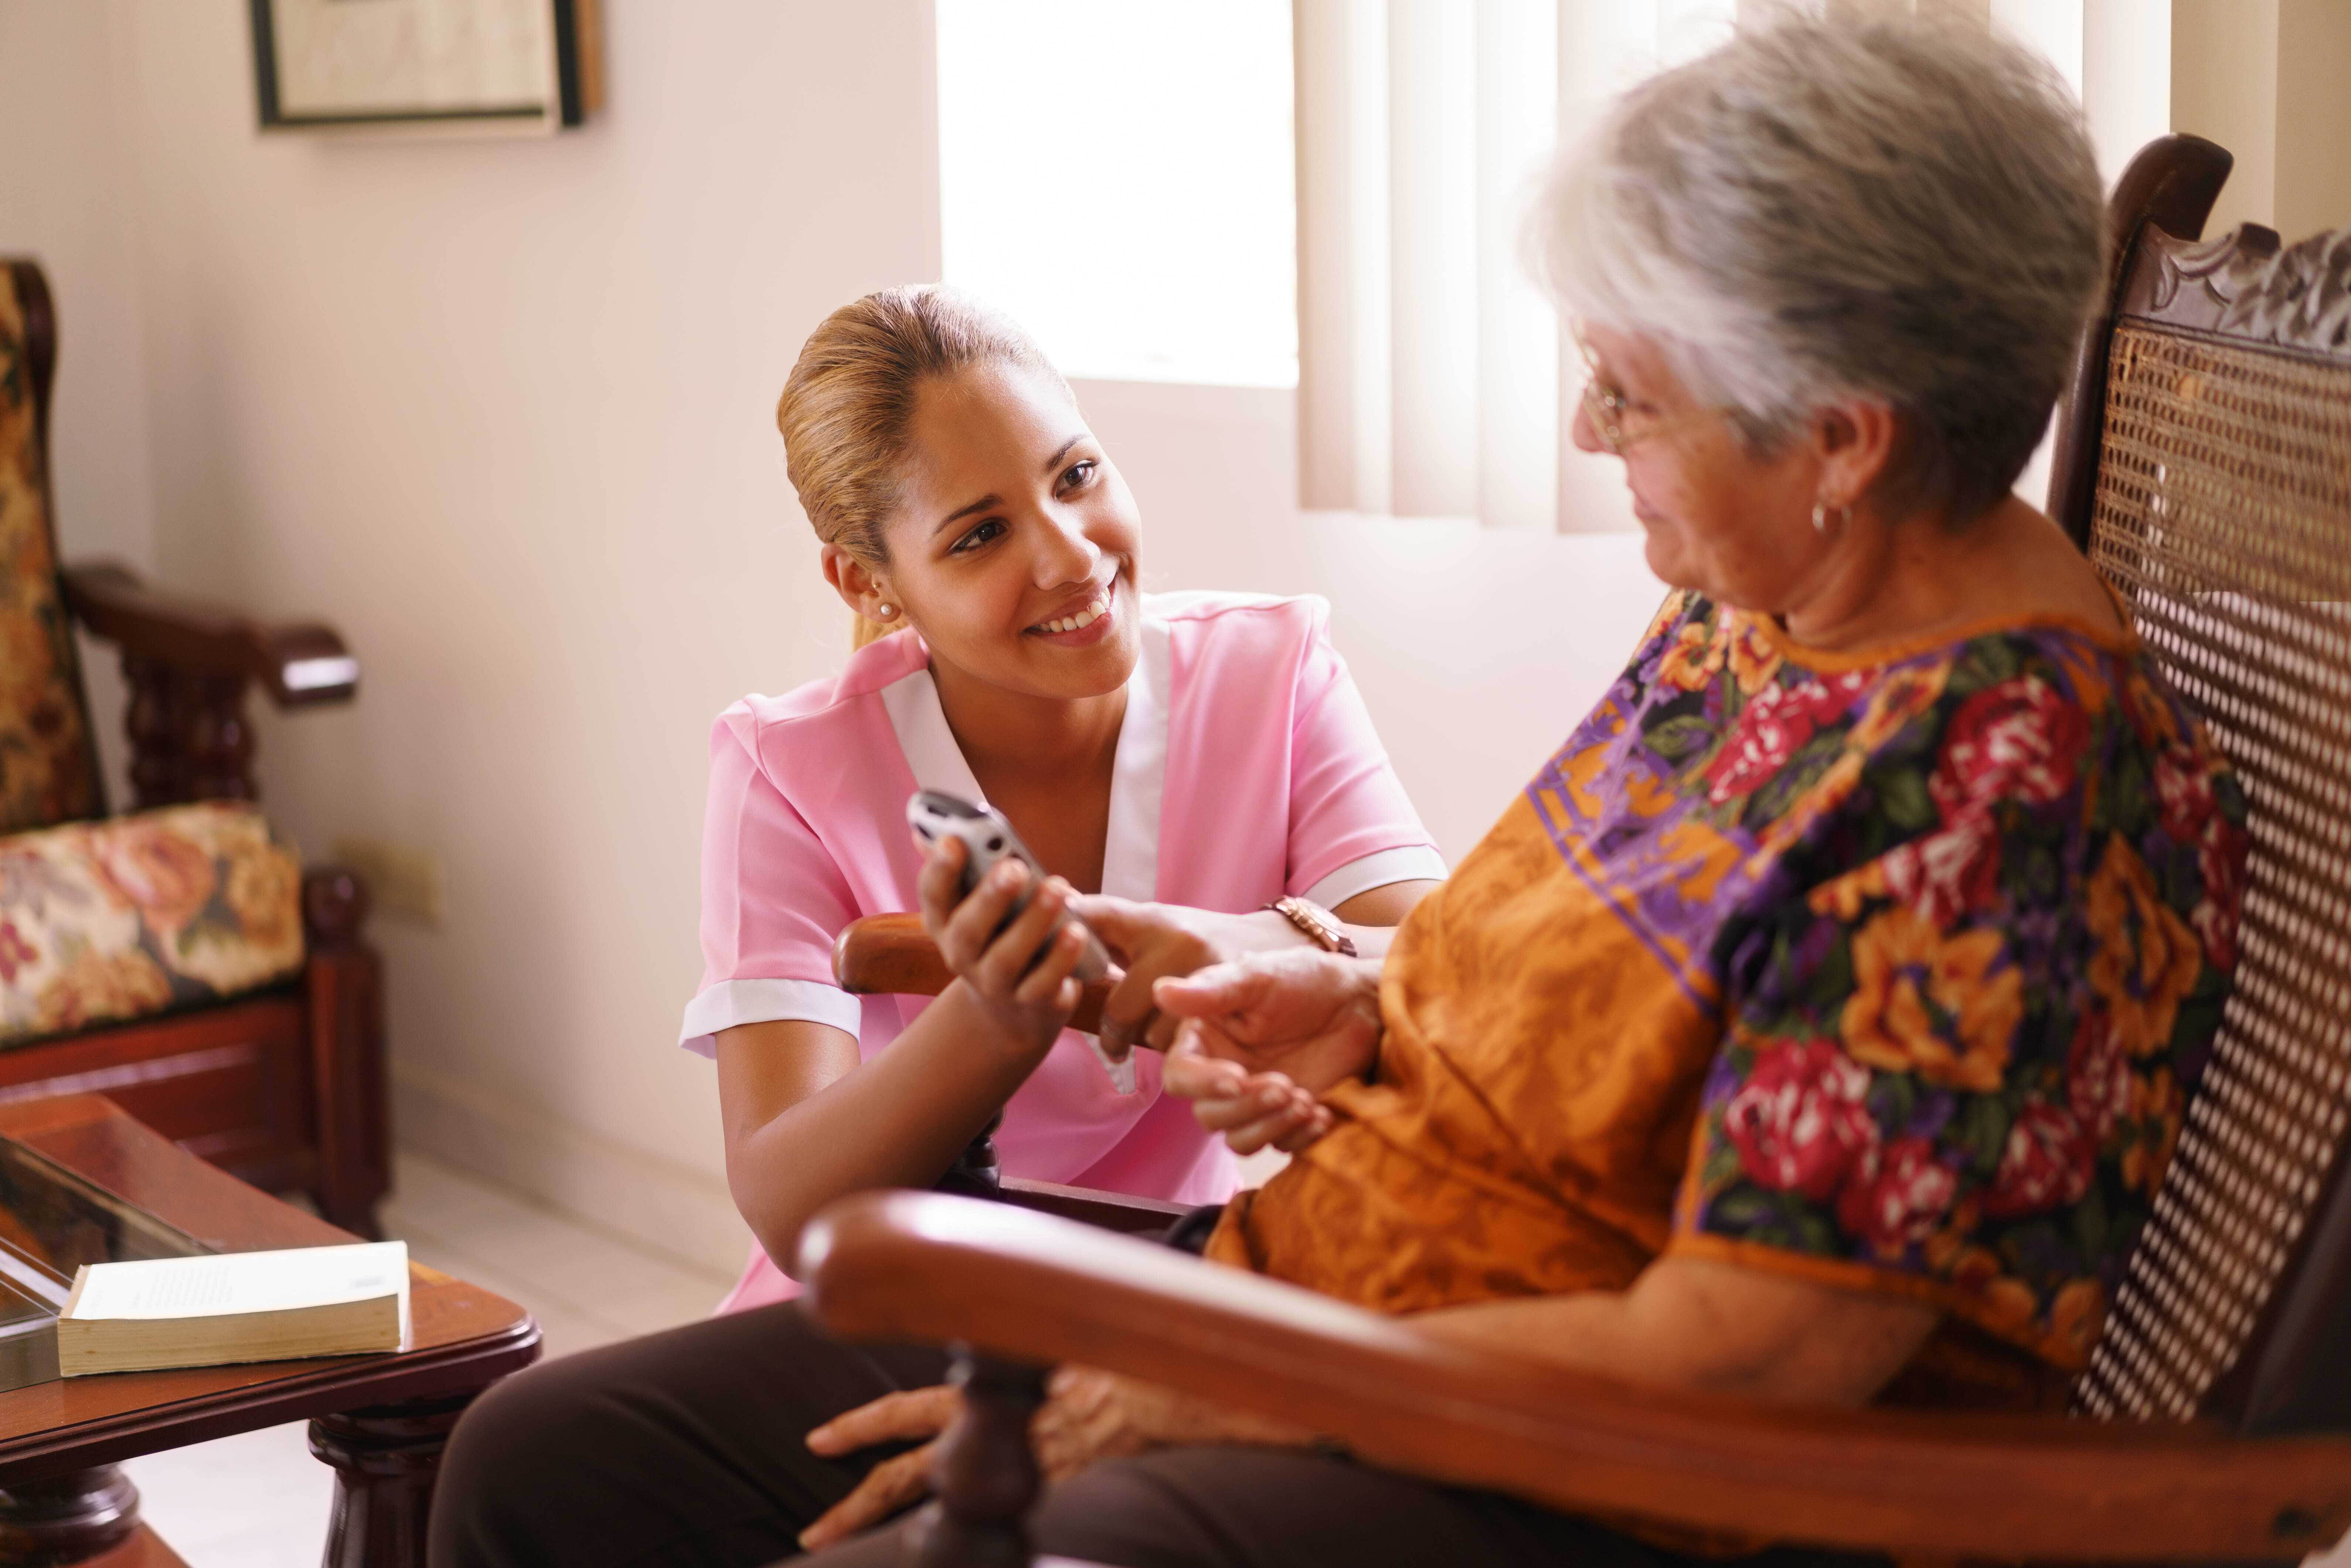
[(1816, 1027)]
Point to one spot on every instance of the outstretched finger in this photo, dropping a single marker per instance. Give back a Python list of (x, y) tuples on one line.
[(1320, 1123), (1218, 990), (1159, 1032), (1191, 1074), (1119, 922), (1272, 1095), (1127, 1015), (887, 1488), (1287, 1120), (892, 1418)]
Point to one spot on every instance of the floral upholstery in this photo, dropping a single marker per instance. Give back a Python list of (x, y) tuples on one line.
[(47, 770), (101, 921)]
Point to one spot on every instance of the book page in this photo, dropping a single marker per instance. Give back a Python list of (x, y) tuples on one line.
[(242, 1282)]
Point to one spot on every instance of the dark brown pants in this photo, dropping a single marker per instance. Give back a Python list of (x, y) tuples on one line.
[(683, 1450)]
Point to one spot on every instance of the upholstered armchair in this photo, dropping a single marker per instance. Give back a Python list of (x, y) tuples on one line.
[(177, 958)]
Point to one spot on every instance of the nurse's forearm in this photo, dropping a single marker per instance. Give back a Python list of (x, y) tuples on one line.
[(1371, 915), (897, 1120)]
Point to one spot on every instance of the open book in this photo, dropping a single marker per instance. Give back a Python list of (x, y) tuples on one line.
[(237, 1306)]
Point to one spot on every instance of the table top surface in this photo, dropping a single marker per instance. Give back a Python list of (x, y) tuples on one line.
[(462, 1338)]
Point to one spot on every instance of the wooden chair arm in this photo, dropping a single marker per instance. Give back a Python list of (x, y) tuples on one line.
[(928, 1268), (301, 664), (888, 955)]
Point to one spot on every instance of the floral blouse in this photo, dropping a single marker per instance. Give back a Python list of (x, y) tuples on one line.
[(1893, 970)]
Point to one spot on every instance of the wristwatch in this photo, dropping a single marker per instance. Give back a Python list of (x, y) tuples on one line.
[(1322, 928)]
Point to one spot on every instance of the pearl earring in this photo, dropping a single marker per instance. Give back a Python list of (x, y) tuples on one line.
[(885, 612), (1820, 511)]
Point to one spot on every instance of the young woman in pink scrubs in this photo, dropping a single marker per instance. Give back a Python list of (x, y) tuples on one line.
[(1198, 749)]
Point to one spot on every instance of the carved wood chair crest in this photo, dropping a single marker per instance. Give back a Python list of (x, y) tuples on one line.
[(2297, 298)]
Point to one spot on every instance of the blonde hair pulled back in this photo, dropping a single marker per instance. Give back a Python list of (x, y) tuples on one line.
[(848, 402)]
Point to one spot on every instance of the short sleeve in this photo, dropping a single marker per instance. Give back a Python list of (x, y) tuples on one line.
[(772, 901), (1956, 1067), (1352, 827)]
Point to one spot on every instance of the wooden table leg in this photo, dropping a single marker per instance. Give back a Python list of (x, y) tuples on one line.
[(386, 1459), (67, 1519)]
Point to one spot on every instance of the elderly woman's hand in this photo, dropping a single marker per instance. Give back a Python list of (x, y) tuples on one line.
[(1158, 941), (917, 1414), (1087, 1416), (1263, 1038)]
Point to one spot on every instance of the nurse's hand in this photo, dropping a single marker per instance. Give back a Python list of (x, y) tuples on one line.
[(1021, 972), (1156, 941)]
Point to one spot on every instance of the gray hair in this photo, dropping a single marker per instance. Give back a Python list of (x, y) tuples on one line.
[(1874, 204)]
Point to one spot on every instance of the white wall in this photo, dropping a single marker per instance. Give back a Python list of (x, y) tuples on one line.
[(2265, 79), (1477, 648), (502, 411), (62, 201)]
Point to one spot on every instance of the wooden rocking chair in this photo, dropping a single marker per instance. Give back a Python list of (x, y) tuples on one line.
[(2205, 464)]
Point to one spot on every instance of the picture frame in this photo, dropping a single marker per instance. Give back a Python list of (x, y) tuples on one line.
[(427, 68)]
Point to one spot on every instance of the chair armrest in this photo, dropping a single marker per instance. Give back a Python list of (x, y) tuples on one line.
[(300, 665), (928, 1268), (889, 955)]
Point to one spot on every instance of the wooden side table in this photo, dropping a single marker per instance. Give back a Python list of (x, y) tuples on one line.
[(379, 1420)]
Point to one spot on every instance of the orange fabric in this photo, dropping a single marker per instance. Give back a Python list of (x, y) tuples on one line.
[(1486, 1161)]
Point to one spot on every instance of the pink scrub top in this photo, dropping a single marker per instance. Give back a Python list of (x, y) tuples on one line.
[(1247, 768)]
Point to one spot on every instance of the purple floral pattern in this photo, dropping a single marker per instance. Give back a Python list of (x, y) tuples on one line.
[(1967, 916)]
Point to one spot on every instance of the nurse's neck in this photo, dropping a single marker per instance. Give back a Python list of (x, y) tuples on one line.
[(1018, 741), (1045, 762)]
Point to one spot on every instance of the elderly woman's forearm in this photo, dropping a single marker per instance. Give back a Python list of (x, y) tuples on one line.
[(1708, 1327)]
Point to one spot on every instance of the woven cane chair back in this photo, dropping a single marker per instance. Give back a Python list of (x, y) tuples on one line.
[(2221, 511)]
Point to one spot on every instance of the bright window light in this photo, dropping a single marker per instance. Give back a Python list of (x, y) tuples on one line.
[(1118, 175)]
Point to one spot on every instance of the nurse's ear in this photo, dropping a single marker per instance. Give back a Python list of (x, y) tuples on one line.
[(859, 587)]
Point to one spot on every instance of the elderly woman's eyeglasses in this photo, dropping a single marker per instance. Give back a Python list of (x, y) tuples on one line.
[(1613, 419)]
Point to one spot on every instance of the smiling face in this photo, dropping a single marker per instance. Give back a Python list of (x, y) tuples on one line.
[(1012, 551), (1725, 522)]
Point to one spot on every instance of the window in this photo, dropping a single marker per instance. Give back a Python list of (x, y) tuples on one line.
[(1117, 174)]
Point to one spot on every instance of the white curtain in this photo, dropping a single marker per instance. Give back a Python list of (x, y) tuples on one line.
[(1431, 370)]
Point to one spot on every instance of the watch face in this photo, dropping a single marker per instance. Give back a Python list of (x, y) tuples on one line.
[(1313, 919)]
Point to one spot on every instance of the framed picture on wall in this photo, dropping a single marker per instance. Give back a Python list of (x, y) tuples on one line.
[(481, 67)]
